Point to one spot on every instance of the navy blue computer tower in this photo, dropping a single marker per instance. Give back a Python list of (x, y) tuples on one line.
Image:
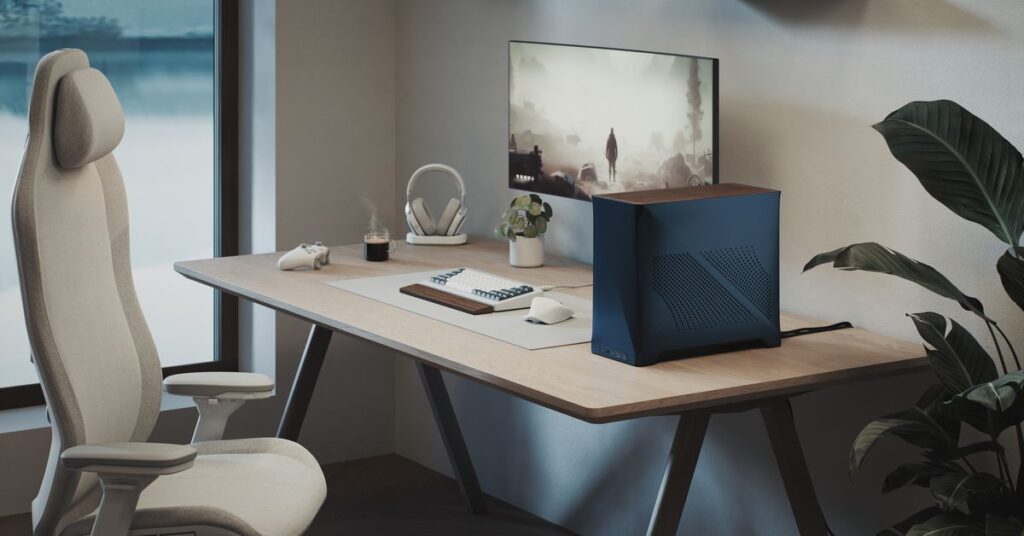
[(685, 271)]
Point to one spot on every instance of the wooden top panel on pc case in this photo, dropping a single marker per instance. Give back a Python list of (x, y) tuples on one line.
[(685, 271), (693, 193)]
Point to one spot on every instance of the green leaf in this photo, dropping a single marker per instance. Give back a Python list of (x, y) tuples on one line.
[(548, 212), (1003, 526), (530, 231), (973, 448), (511, 235), (999, 395), (931, 404), (914, 426), (951, 491), (1012, 416), (918, 474), (872, 257), (534, 198), (947, 524), (957, 359), (962, 162), (1011, 273), (521, 202), (970, 412), (535, 209), (542, 225), (899, 529)]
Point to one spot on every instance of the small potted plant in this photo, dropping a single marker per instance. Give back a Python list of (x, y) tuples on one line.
[(525, 221)]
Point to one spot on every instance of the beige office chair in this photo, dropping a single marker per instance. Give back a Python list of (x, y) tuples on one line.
[(96, 360)]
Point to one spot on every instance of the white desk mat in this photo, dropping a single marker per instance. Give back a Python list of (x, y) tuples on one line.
[(507, 326)]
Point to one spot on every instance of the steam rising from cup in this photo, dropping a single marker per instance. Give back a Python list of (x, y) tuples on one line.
[(374, 226)]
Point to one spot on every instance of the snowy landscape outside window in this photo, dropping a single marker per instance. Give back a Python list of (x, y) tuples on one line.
[(161, 58)]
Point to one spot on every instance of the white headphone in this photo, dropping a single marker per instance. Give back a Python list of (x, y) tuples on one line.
[(417, 213)]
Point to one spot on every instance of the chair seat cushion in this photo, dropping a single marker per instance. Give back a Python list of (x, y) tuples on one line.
[(254, 487)]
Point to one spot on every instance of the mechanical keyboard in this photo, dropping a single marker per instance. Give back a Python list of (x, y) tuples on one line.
[(500, 293)]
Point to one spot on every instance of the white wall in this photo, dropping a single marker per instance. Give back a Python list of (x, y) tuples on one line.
[(336, 147), (801, 83)]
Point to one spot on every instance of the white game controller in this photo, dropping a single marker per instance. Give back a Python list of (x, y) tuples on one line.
[(312, 256)]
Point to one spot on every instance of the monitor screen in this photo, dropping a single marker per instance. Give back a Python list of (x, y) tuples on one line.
[(584, 121)]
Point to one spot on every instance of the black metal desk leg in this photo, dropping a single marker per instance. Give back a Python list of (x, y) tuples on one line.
[(454, 444), (305, 382), (778, 419), (682, 461)]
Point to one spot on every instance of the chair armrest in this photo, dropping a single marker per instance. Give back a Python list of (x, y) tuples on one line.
[(125, 469), (129, 458), (220, 385), (217, 396)]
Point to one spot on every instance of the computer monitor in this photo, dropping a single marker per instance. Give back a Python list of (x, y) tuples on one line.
[(585, 121)]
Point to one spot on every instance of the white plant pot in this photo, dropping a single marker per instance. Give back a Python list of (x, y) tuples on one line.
[(526, 252)]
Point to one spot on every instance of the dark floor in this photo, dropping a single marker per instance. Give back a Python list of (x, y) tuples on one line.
[(390, 495)]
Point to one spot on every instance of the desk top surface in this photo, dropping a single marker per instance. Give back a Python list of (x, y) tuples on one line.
[(569, 379)]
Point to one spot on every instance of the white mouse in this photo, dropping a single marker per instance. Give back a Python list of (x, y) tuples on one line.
[(547, 311)]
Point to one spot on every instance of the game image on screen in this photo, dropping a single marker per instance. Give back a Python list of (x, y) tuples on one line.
[(585, 121)]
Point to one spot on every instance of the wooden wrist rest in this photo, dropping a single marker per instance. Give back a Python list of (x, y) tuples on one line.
[(446, 299)]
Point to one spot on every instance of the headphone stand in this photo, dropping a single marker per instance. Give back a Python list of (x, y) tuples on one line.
[(417, 240)]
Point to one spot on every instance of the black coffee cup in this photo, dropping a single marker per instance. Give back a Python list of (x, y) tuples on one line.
[(377, 247)]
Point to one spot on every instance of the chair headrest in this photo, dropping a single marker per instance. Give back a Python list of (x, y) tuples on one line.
[(88, 121)]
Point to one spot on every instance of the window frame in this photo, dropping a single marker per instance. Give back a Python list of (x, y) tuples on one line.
[(226, 210)]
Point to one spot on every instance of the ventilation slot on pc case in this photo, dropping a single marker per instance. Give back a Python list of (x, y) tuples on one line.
[(744, 271), (695, 298)]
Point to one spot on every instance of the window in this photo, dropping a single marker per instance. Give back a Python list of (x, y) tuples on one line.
[(173, 65)]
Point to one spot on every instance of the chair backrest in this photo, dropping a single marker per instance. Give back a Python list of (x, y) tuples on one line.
[(95, 356)]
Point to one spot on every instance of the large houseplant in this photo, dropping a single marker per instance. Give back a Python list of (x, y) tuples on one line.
[(971, 169)]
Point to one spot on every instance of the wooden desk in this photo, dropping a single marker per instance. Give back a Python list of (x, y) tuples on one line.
[(568, 379)]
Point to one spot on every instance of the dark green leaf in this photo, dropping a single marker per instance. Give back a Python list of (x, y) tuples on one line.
[(1012, 416), (901, 528), (958, 360), (948, 524), (918, 474), (967, 411), (913, 426), (962, 162), (548, 212), (973, 448), (875, 430), (999, 394), (872, 257), (951, 491), (1003, 526), (974, 412), (931, 402), (1011, 272)]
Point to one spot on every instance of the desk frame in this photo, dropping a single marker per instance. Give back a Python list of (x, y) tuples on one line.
[(691, 427), (588, 387)]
